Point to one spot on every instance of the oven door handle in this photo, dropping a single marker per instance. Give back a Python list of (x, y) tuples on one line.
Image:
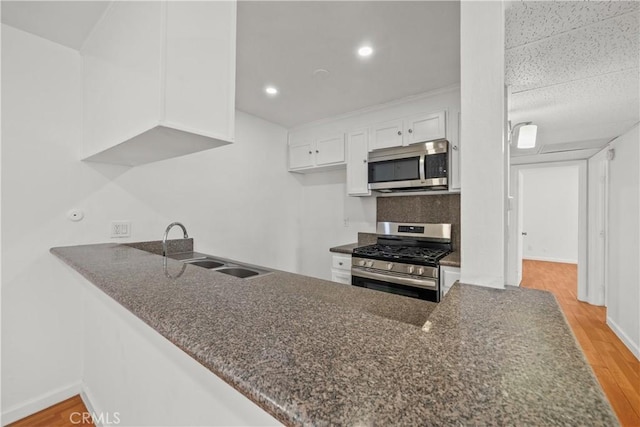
[(423, 176), (425, 283)]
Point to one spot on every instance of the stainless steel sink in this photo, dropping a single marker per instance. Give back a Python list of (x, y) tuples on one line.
[(231, 268), (206, 263), (238, 272)]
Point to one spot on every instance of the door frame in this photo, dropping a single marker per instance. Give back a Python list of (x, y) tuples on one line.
[(515, 227)]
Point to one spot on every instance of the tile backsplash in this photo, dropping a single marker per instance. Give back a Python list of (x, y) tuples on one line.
[(437, 208)]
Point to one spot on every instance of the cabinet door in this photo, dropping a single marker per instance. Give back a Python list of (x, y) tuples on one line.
[(426, 127), (357, 166), (448, 276), (301, 155), (454, 153), (330, 150), (386, 135)]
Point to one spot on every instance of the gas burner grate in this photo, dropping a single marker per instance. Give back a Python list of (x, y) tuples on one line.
[(408, 253)]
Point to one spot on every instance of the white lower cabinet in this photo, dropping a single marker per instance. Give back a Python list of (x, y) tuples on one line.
[(448, 276), (341, 268)]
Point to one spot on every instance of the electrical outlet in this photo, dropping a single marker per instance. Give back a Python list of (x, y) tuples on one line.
[(120, 229)]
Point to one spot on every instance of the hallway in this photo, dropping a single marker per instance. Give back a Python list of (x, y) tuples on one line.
[(616, 368)]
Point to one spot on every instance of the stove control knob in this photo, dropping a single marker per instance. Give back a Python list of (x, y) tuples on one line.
[(361, 263), (389, 266), (410, 269), (420, 271), (369, 263)]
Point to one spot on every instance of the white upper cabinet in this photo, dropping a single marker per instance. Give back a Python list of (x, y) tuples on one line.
[(316, 153), (201, 67), (387, 134), (409, 130), (159, 81), (330, 150), (425, 127), (455, 148), (357, 166), (301, 155)]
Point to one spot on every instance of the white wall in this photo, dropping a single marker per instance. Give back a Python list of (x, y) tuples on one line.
[(623, 294), (550, 216), (484, 157), (40, 306), (238, 201), (329, 218)]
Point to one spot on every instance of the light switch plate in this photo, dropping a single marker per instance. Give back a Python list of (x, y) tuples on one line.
[(120, 229)]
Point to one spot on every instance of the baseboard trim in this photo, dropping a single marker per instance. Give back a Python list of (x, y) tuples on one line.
[(88, 400), (39, 403), (633, 347), (550, 259)]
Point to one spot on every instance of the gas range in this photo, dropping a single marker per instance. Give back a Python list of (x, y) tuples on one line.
[(406, 254), (404, 261)]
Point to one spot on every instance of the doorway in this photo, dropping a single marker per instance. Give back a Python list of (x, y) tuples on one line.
[(548, 220)]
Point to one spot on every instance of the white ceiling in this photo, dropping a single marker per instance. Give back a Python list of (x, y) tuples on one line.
[(417, 49), (65, 22), (573, 71)]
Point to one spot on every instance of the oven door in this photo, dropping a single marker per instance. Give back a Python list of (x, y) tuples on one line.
[(396, 173), (423, 288)]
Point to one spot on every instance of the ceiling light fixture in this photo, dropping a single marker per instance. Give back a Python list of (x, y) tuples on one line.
[(271, 90), (525, 134), (365, 51)]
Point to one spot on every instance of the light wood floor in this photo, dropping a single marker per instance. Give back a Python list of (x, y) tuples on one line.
[(616, 368), (67, 413)]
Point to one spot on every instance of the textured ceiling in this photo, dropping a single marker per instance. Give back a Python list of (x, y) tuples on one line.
[(573, 70), (65, 22)]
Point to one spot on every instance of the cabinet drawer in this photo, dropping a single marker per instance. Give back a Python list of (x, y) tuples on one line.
[(341, 277), (341, 262)]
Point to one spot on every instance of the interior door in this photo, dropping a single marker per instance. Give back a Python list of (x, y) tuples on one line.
[(520, 232), (600, 257)]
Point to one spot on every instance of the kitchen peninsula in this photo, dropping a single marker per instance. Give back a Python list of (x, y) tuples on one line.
[(312, 352)]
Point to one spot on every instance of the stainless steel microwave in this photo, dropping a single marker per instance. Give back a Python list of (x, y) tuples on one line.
[(417, 167)]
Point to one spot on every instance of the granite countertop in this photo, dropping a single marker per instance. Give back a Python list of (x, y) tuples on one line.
[(451, 260), (313, 352), (344, 249)]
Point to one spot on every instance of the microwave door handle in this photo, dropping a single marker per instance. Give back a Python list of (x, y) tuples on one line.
[(422, 161)]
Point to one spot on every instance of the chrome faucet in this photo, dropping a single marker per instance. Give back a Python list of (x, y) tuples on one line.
[(166, 233)]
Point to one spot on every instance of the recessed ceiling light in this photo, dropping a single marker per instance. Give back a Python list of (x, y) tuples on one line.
[(271, 90), (365, 51)]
